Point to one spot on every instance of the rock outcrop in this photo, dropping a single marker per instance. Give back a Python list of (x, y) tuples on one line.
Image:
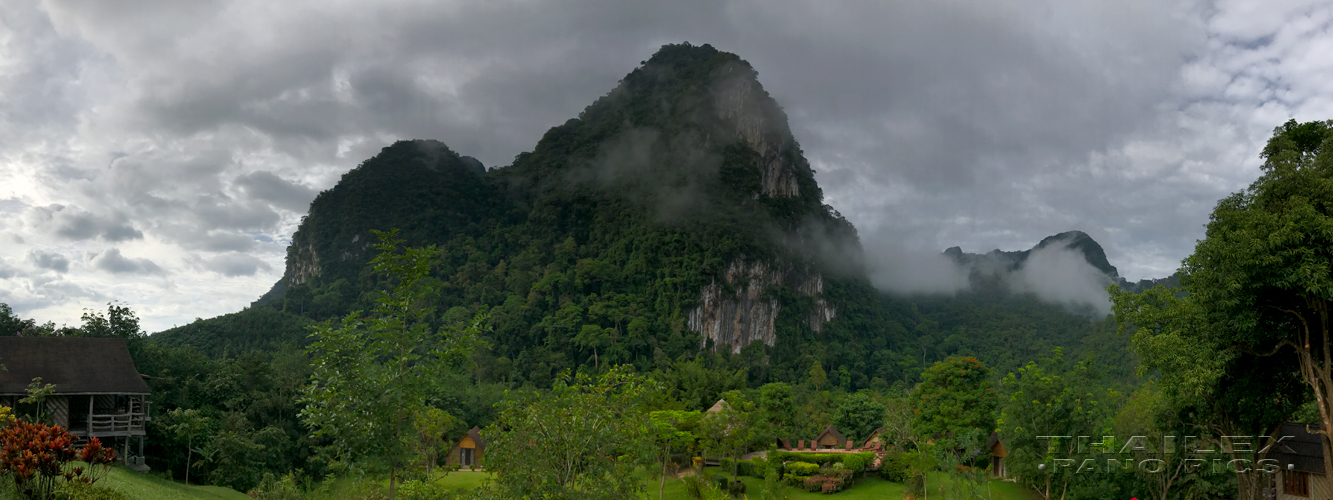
[(747, 313)]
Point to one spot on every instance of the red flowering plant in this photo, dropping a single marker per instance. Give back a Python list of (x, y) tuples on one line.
[(99, 459), (35, 456)]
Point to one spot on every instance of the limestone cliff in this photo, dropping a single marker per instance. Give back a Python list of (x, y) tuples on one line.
[(739, 99), (747, 314)]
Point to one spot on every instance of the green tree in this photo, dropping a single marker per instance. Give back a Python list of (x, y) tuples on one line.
[(188, 425), (730, 430), (818, 377), (954, 396), (673, 433), (779, 406), (11, 324), (1047, 404), (37, 394), (119, 322), (371, 374), (430, 424), (582, 440), (1259, 285), (858, 415)]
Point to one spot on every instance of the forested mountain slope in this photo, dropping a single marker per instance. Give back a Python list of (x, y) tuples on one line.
[(675, 216)]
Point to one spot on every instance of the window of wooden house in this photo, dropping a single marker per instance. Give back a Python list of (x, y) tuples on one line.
[(1296, 483)]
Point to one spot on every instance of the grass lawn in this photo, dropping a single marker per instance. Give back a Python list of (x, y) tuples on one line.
[(866, 488), (462, 480), (136, 485)]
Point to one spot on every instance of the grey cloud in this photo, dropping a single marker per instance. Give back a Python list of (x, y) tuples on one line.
[(234, 264), (7, 271), (77, 224), (113, 262), (49, 260), (269, 187)]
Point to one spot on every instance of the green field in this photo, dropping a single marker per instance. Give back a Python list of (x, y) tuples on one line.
[(865, 488), (141, 486)]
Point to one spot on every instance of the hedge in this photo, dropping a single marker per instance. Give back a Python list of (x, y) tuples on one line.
[(801, 468), (825, 458)]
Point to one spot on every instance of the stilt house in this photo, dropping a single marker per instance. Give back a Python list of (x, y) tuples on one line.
[(98, 391)]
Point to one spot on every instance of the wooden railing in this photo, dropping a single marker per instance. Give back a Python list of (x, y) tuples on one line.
[(123, 422)]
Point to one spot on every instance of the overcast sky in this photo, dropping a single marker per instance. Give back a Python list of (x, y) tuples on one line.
[(161, 153)]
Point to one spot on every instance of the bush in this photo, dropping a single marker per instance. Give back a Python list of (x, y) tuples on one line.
[(895, 468), (858, 462), (736, 488), (823, 484), (272, 488), (743, 468), (802, 468), (79, 490), (842, 474), (821, 458), (422, 490)]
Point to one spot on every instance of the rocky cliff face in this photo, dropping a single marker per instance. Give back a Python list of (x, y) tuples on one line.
[(740, 100), (744, 315)]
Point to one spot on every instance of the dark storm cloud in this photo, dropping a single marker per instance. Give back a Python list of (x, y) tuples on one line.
[(113, 262), (269, 187), (49, 260)]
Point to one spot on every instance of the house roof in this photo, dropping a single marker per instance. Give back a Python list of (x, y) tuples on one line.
[(1303, 449), (830, 430), (720, 405), (872, 435), (475, 434), (75, 365)]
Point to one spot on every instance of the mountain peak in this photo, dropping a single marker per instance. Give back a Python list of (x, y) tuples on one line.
[(1077, 241)]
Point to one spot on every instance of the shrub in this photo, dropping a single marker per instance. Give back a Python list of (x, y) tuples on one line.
[(736, 488), (858, 462), (422, 490), (801, 468), (34, 457), (895, 468), (272, 488), (79, 490), (743, 468), (820, 458), (823, 484), (842, 474)]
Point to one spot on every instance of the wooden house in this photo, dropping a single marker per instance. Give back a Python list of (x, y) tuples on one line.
[(830, 439), (1301, 464), (98, 392), (469, 451), (997, 453)]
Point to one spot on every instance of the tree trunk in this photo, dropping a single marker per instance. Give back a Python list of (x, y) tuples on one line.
[(189, 454), (393, 476)]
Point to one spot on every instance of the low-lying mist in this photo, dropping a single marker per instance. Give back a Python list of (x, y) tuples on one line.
[(1055, 274)]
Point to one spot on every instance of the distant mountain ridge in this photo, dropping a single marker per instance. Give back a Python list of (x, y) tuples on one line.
[(998, 262)]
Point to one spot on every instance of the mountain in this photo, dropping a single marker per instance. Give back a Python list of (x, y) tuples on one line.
[(675, 217), (1002, 265)]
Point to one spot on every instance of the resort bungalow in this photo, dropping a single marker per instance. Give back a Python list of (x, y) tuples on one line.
[(997, 454), (1301, 464), (469, 451), (98, 392)]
